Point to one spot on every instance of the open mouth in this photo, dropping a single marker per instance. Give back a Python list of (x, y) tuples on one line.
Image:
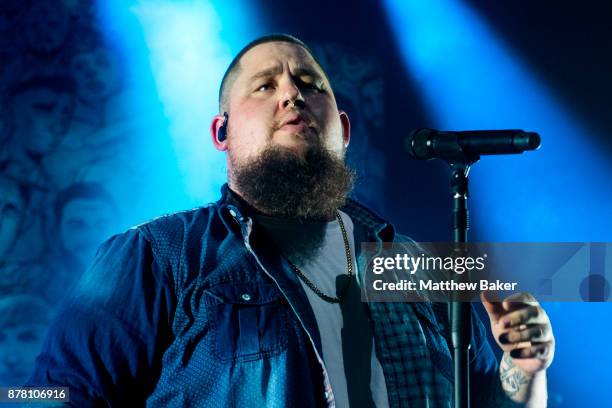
[(295, 123)]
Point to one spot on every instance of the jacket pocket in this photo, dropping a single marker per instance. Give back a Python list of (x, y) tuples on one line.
[(248, 320)]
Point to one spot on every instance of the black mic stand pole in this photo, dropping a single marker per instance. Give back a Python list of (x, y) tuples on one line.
[(460, 150), (460, 311)]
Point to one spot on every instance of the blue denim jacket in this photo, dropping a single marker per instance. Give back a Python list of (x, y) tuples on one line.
[(194, 309)]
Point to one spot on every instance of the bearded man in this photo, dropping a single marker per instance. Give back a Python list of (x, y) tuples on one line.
[(254, 300)]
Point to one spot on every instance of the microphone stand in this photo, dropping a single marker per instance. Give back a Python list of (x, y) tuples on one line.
[(459, 312), (461, 150)]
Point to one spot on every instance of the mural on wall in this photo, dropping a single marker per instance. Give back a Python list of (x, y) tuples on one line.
[(359, 87), (60, 131), (23, 323)]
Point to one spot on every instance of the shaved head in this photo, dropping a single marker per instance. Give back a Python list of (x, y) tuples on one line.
[(233, 70)]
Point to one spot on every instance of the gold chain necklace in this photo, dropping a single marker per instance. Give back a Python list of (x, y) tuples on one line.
[(349, 273)]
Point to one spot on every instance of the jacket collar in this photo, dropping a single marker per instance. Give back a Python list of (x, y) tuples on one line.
[(238, 209), (367, 218)]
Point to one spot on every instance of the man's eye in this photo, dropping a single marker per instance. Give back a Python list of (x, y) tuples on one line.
[(264, 87), (311, 86)]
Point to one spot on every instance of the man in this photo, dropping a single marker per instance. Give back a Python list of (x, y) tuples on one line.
[(254, 300)]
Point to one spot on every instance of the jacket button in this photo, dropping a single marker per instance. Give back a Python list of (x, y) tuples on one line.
[(246, 297)]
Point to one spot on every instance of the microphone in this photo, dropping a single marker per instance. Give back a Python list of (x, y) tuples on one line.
[(425, 144)]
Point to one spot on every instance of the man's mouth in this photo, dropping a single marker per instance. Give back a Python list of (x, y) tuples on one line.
[(294, 123)]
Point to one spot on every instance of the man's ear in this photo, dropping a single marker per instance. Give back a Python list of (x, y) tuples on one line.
[(215, 126), (346, 127)]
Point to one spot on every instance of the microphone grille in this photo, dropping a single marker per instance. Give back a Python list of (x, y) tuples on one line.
[(417, 144)]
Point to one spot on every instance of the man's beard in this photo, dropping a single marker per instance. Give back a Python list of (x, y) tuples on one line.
[(283, 183)]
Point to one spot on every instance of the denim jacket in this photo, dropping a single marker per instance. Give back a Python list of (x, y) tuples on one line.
[(193, 309)]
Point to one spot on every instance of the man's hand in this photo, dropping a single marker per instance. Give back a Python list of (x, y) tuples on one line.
[(522, 329)]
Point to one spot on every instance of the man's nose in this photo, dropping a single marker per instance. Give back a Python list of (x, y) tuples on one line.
[(291, 96)]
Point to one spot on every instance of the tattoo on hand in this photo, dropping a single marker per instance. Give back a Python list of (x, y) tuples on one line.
[(512, 378)]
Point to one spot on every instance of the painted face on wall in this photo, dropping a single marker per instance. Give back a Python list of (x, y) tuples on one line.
[(23, 325), (46, 27), (371, 94), (84, 224), (96, 74), (12, 208), (19, 346), (43, 117)]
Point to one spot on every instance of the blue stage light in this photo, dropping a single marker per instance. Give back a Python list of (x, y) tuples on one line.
[(469, 78), (175, 53)]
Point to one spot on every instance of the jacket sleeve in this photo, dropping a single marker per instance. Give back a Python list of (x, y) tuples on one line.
[(107, 340)]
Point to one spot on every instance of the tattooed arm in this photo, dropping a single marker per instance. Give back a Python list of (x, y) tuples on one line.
[(523, 331), (521, 387)]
